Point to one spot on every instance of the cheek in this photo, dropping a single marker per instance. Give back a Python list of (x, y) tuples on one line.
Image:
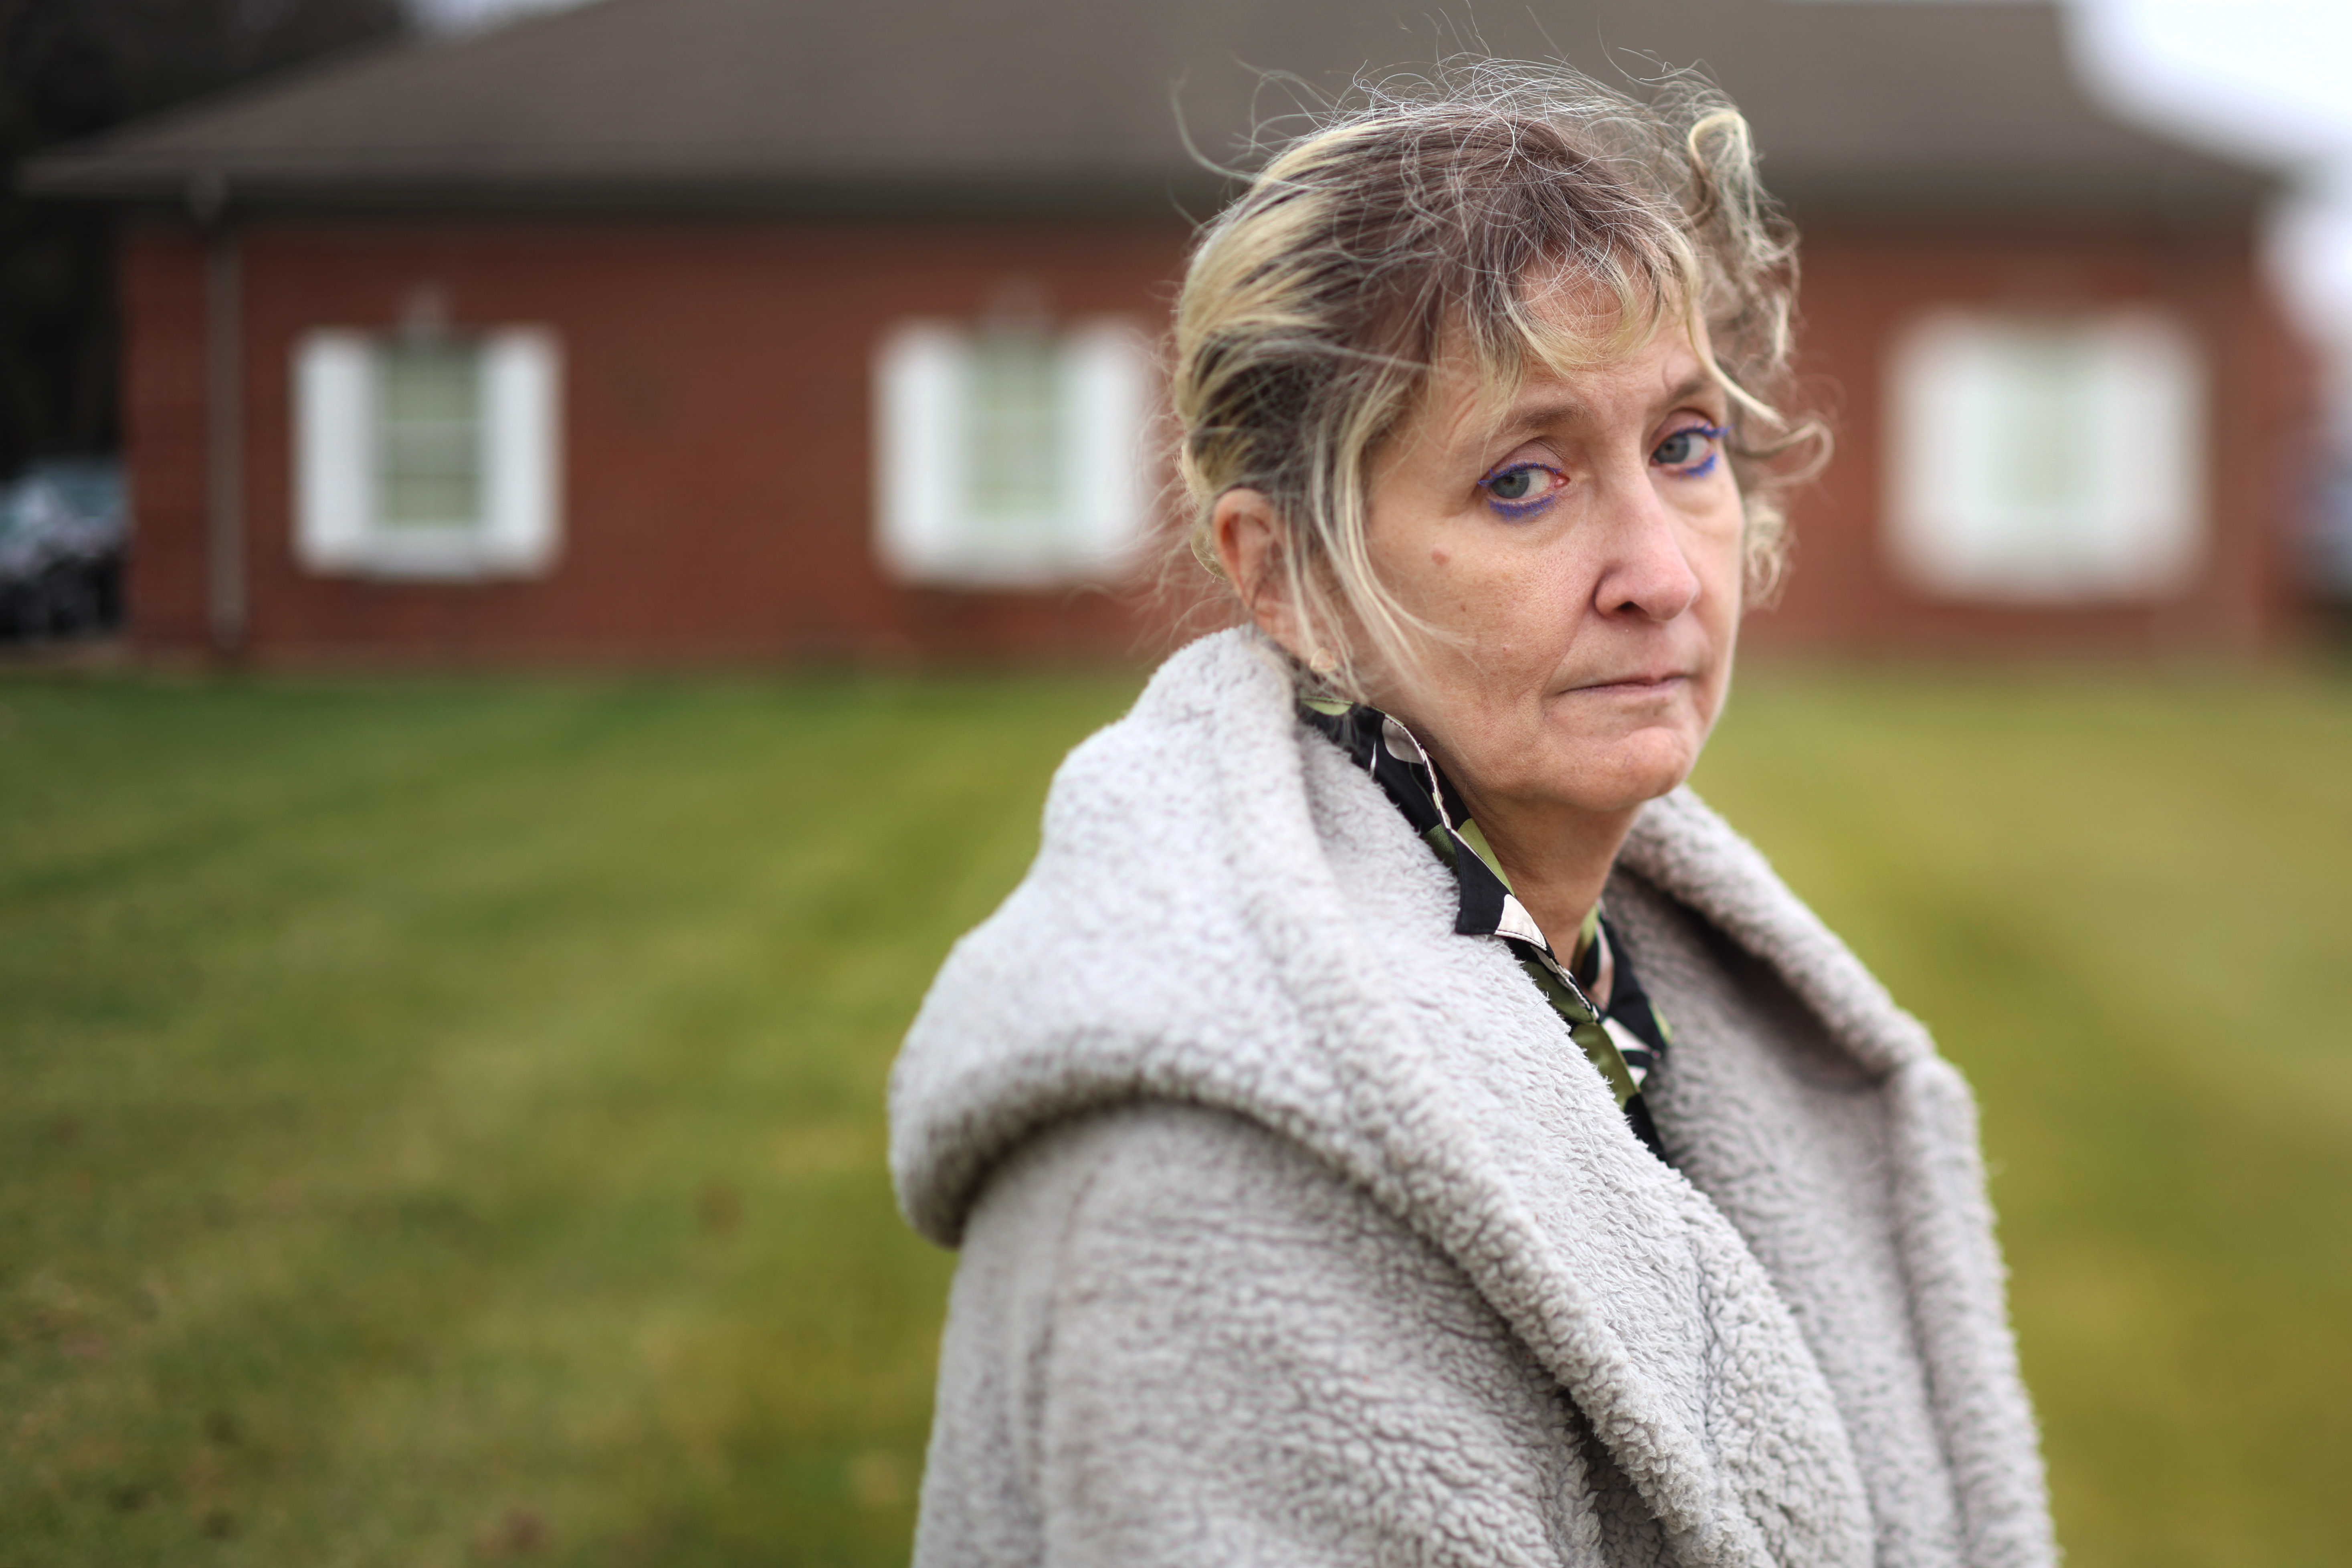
[(1723, 572), (1463, 589), (1719, 556), (1517, 612)]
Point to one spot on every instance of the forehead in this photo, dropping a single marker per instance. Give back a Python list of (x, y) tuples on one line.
[(1466, 402)]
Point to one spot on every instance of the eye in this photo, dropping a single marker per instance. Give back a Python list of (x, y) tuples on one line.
[(1690, 451), (1522, 489)]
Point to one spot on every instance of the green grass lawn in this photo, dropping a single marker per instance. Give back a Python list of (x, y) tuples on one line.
[(442, 1122)]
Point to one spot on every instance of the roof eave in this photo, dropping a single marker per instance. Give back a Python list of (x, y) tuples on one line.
[(2151, 200), (210, 188)]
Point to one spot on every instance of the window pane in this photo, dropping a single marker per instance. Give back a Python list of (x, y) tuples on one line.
[(1013, 435), (2046, 399), (1008, 456), (2046, 459), (428, 437)]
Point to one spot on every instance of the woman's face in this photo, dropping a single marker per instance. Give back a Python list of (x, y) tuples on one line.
[(1584, 556)]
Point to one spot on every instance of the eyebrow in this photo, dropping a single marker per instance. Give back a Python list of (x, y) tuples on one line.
[(1540, 415)]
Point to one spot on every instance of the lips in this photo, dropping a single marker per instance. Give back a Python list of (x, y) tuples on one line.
[(1646, 680)]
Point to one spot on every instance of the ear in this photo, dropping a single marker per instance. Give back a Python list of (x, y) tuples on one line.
[(1250, 539)]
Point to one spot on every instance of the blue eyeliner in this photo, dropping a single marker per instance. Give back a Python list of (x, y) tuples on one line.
[(1699, 471), (1514, 510)]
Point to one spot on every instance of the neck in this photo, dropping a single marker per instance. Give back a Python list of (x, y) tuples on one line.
[(1556, 859)]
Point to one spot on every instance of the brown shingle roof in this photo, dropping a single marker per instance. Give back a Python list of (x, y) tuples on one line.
[(927, 105)]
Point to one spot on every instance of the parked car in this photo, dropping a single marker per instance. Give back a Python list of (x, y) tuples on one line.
[(64, 525)]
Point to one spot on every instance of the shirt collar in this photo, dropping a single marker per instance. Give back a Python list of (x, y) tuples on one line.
[(1403, 767)]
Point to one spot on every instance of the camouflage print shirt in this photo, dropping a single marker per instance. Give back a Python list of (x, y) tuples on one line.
[(1595, 992)]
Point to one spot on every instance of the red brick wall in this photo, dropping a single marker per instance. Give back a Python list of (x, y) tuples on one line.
[(716, 412), (164, 428)]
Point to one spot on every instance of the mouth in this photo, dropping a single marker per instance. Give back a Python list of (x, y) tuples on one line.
[(1643, 683)]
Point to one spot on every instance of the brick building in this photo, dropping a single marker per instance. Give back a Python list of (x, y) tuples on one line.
[(677, 330)]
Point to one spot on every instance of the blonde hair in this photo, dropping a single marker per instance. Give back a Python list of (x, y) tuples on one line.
[(1418, 219)]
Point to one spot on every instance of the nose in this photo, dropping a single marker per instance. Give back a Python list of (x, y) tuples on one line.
[(1648, 573)]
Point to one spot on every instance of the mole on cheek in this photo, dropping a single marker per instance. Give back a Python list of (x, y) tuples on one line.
[(1437, 556)]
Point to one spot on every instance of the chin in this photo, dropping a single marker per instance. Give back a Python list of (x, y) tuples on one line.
[(1645, 767)]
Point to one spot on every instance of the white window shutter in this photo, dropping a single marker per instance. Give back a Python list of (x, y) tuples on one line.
[(1929, 386), (523, 450), (1108, 376), (334, 450), (918, 452), (2155, 431)]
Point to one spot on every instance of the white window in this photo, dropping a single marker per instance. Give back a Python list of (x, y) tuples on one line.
[(427, 456), (2046, 460), (1010, 457)]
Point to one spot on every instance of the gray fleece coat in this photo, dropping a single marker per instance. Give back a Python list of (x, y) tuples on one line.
[(1296, 1230)]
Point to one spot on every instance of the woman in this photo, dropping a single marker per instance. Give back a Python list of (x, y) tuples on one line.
[(1394, 1121)]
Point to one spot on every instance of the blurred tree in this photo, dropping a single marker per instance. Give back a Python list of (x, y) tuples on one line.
[(70, 69)]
